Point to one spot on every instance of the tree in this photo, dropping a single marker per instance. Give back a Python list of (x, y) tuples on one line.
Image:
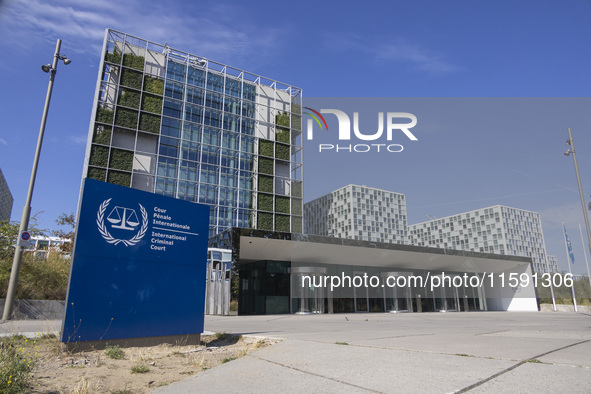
[(9, 235), (68, 221)]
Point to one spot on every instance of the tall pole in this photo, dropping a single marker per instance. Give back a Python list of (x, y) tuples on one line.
[(585, 253), (569, 262), (572, 150), (16, 262)]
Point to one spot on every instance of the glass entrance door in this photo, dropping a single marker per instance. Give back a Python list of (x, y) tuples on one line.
[(397, 292), (306, 298)]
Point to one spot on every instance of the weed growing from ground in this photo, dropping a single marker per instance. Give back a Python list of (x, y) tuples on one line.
[(140, 368), (114, 352), (17, 360)]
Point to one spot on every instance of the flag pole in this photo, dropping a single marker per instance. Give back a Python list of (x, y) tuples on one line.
[(568, 262), (585, 252)]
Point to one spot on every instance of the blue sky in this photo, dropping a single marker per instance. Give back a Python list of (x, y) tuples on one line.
[(501, 49)]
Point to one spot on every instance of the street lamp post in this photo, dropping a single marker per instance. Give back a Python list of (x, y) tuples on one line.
[(16, 262), (567, 153)]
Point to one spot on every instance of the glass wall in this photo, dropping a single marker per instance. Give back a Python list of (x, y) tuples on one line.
[(183, 126), (264, 288), (268, 287)]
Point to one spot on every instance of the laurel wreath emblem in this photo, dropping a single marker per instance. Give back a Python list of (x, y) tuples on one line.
[(109, 238)]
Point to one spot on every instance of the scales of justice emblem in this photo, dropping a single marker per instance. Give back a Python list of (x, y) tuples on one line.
[(122, 218)]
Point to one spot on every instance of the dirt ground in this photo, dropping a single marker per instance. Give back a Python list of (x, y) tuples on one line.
[(140, 370)]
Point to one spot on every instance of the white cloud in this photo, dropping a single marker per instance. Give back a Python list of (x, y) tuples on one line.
[(397, 50), (78, 139), (217, 32), (3, 141), (571, 213)]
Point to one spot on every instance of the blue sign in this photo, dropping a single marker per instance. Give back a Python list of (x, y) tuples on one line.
[(138, 267)]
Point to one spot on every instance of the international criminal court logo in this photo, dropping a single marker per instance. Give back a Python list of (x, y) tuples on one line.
[(124, 220)]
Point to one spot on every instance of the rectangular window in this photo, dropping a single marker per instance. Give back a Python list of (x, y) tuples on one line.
[(172, 108), (176, 71), (196, 77), (194, 95), (174, 90), (189, 171)]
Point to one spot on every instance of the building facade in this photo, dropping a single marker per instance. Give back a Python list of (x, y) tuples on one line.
[(358, 212), (552, 264), (169, 122), (498, 229), (42, 246), (6, 200), (308, 274)]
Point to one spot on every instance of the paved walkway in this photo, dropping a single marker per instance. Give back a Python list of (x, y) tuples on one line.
[(476, 352), (488, 352)]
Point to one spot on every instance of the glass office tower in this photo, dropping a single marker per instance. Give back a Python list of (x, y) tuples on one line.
[(177, 124)]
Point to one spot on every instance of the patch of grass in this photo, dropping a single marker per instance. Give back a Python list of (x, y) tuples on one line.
[(260, 343), (122, 392), (224, 336), (341, 343), (114, 352), (16, 365), (179, 354), (534, 361), (227, 360), (463, 355), (39, 279), (140, 368)]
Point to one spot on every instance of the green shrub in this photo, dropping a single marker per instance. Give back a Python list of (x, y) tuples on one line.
[(121, 159), (265, 221), (104, 115), (296, 225), (266, 148), (39, 279), (131, 78), (99, 156), (282, 119), (296, 189), (129, 98), (133, 61), (150, 123), (265, 184), (282, 152), (102, 134), (119, 178), (282, 204), (140, 368), (126, 118), (265, 202), (114, 57), (296, 206), (152, 103), (114, 352), (16, 365), (265, 165), (282, 223), (97, 173), (153, 85), (282, 135)]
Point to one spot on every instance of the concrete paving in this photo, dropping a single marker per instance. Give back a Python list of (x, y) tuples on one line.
[(480, 352), (487, 352)]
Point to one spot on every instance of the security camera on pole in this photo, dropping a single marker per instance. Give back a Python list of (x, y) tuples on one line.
[(16, 263)]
